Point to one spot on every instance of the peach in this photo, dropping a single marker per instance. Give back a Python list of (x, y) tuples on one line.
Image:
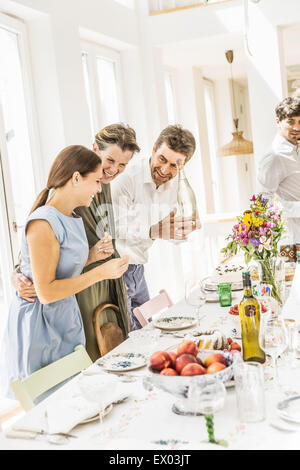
[(168, 371), (193, 369), (160, 360), (183, 360), (235, 346), (215, 367), (199, 361), (173, 357), (214, 357), (187, 347)]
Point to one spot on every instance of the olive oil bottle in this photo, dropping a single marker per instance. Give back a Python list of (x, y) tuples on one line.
[(249, 311)]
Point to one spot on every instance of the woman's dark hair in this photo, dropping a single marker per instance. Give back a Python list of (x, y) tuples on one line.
[(289, 107), (117, 134), (69, 160)]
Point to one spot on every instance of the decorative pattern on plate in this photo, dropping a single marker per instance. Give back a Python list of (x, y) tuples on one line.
[(122, 362), (174, 323)]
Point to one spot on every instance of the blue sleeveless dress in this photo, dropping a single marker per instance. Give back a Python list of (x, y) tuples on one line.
[(37, 334)]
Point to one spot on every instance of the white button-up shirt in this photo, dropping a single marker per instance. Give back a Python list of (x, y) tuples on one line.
[(279, 174), (138, 205)]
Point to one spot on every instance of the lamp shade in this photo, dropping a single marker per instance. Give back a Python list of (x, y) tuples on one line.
[(237, 146)]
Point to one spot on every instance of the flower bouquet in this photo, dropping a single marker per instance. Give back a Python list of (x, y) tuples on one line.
[(258, 233)]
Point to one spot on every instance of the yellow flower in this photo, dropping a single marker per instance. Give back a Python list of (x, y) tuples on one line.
[(258, 221), (247, 219)]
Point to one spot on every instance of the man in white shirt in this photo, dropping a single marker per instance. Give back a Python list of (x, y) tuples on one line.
[(279, 170), (144, 200)]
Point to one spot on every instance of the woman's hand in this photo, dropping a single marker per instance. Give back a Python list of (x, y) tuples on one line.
[(102, 250), (113, 269)]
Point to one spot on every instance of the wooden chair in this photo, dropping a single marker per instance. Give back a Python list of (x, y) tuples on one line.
[(109, 335), (27, 390), (153, 306)]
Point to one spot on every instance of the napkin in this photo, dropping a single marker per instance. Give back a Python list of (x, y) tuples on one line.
[(90, 393)]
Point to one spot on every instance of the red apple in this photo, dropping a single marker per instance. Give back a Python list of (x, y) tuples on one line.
[(168, 371), (193, 369), (160, 360), (214, 357), (215, 367), (187, 347), (183, 360)]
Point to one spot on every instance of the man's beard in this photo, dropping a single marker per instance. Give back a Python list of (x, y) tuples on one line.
[(156, 178)]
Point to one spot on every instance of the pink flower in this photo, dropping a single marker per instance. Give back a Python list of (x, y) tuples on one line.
[(260, 248)]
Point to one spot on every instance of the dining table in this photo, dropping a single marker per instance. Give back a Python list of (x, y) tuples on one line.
[(143, 418)]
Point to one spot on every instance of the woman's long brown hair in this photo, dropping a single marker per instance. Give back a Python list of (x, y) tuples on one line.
[(69, 160)]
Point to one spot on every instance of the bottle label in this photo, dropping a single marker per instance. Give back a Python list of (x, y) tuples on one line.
[(250, 310)]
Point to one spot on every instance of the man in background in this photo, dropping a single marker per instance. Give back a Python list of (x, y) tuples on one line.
[(279, 170)]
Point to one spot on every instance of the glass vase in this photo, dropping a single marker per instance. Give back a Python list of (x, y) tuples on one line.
[(271, 274)]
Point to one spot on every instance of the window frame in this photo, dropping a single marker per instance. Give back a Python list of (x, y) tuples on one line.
[(172, 74), (95, 51), (18, 27)]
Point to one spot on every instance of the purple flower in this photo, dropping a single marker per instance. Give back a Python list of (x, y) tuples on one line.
[(254, 242)]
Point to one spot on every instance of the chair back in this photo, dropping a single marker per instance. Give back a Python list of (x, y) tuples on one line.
[(144, 312), (109, 335), (27, 390)]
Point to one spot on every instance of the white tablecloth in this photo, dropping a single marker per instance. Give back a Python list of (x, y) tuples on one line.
[(146, 420)]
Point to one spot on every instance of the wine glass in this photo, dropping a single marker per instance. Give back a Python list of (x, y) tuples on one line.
[(195, 295), (273, 340), (209, 399), (99, 391)]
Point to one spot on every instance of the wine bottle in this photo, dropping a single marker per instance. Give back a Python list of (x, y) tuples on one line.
[(249, 311), (186, 199)]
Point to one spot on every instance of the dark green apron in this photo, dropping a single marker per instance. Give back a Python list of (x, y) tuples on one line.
[(98, 219)]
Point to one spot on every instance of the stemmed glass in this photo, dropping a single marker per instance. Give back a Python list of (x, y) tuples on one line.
[(98, 393), (195, 295), (273, 340), (209, 399)]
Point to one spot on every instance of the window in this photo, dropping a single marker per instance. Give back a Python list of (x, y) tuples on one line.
[(212, 139), (108, 90), (171, 98), (20, 167), (102, 75)]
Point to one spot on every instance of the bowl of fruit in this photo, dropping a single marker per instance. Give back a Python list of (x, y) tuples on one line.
[(175, 371)]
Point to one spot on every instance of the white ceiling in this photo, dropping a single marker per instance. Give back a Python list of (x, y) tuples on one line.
[(209, 54)]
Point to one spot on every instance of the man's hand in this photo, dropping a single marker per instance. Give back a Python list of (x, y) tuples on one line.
[(174, 228), (24, 287)]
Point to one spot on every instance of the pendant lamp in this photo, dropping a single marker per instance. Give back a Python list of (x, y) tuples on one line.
[(238, 145)]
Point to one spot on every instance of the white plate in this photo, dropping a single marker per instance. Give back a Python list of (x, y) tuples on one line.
[(213, 296), (96, 417), (211, 285), (122, 362), (289, 409), (176, 322)]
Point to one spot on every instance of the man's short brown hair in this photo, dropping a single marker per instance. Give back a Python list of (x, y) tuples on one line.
[(178, 139), (289, 107)]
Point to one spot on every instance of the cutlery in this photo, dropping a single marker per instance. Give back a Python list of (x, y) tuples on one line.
[(56, 439)]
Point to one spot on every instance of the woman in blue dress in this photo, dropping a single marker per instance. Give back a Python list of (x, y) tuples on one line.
[(54, 251)]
